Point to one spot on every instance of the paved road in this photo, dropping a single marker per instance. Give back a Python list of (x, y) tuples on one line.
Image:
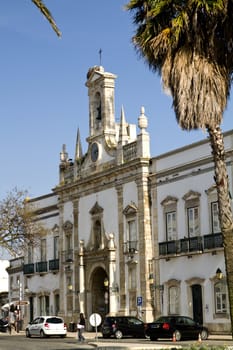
[(20, 342)]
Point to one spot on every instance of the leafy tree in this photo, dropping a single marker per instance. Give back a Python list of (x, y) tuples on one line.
[(190, 44), (41, 6), (18, 225)]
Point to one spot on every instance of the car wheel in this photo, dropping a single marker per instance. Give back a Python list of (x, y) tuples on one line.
[(28, 335), (177, 335), (204, 334), (42, 335), (118, 334)]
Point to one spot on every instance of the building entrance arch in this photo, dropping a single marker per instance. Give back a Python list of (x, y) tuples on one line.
[(100, 292)]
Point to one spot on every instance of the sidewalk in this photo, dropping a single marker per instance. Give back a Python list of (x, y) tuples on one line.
[(91, 341)]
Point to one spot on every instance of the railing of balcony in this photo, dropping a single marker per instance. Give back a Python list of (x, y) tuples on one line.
[(54, 264), (28, 269), (68, 256), (191, 244), (130, 247), (213, 241), (42, 266)]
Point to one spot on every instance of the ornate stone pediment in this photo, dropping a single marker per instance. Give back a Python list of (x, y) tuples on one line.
[(130, 209), (191, 195), (169, 200), (96, 209)]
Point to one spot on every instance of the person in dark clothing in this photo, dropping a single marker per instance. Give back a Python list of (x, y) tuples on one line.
[(81, 327)]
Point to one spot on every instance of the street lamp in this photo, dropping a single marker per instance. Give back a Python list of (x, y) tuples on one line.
[(219, 274)]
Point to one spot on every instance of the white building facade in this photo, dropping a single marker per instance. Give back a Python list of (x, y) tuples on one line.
[(128, 233)]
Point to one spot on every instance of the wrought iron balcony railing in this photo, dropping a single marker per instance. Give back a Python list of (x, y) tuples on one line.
[(42, 266), (54, 265), (130, 247), (28, 269), (68, 256), (191, 244)]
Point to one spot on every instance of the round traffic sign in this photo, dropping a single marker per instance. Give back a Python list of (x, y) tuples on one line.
[(95, 320)]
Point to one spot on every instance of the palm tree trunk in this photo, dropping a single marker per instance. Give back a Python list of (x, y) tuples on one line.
[(225, 211)]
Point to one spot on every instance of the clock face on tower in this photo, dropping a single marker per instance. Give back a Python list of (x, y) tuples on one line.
[(94, 152)]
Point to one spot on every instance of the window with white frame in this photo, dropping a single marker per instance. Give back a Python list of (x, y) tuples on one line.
[(193, 221), (220, 295), (30, 254), (44, 304), (132, 234), (56, 247), (215, 217), (170, 225), (173, 295), (192, 207), (43, 250), (170, 216)]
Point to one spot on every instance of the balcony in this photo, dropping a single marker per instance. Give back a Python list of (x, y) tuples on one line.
[(41, 266), (68, 256), (213, 241), (28, 269), (54, 265), (130, 247), (191, 245)]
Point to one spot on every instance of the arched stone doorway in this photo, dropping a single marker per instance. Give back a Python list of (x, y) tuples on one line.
[(100, 292)]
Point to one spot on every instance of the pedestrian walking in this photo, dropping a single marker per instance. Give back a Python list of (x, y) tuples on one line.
[(81, 326)]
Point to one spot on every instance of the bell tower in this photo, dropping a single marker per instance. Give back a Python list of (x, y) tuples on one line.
[(101, 86)]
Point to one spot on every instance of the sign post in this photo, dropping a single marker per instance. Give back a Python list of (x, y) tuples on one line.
[(95, 321), (139, 305)]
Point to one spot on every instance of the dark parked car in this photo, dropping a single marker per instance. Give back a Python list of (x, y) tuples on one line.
[(3, 325), (176, 327), (120, 326)]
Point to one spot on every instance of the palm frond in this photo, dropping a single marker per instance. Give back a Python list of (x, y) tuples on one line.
[(44, 10)]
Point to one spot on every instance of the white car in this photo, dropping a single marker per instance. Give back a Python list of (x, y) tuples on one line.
[(45, 326)]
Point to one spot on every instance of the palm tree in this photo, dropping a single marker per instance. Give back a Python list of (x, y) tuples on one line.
[(41, 6), (190, 44)]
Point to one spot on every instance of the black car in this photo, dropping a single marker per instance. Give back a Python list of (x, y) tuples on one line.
[(120, 326), (3, 325), (176, 327)]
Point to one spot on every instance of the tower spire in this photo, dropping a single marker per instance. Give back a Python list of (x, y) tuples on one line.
[(123, 135), (78, 148)]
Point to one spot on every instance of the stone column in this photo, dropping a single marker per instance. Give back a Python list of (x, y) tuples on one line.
[(76, 257), (122, 289), (113, 286), (62, 281), (145, 241), (81, 277)]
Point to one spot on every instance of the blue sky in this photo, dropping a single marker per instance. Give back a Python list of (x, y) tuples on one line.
[(43, 98)]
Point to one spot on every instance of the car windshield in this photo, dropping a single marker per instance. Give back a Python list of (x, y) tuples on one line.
[(54, 320)]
